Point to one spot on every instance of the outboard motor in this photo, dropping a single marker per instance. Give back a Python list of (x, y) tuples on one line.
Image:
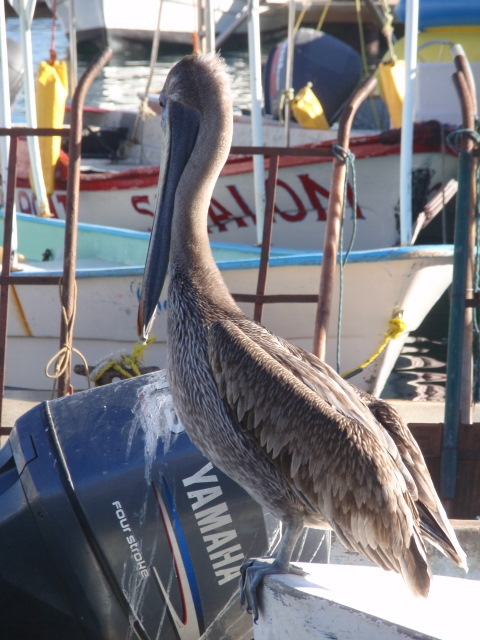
[(15, 69), (332, 66), (114, 526)]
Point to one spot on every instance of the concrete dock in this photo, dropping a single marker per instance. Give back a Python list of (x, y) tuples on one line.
[(365, 603)]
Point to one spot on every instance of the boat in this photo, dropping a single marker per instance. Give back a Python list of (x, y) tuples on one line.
[(123, 194), (440, 25), (102, 23), (378, 285), (121, 156)]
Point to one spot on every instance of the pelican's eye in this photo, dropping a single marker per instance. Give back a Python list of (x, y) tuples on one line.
[(162, 100)]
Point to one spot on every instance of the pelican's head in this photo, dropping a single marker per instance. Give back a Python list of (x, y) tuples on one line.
[(197, 130)]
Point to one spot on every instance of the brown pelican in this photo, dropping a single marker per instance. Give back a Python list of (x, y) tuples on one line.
[(303, 442)]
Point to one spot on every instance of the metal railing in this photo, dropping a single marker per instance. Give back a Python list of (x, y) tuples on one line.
[(67, 280)]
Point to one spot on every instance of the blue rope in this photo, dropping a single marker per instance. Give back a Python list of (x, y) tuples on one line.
[(454, 138), (346, 156)]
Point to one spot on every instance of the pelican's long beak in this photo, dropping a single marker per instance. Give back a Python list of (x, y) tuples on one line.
[(181, 125)]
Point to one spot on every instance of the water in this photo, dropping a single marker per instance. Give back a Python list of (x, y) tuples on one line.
[(125, 77), (420, 371)]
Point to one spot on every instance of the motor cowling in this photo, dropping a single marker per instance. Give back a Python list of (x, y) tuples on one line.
[(113, 525)]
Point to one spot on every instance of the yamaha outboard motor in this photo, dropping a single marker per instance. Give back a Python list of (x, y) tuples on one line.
[(331, 65), (113, 526)]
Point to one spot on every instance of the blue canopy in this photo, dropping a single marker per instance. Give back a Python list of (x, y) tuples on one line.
[(443, 13)]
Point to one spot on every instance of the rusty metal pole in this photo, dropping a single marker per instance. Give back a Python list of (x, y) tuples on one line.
[(267, 235), (334, 219), (73, 189)]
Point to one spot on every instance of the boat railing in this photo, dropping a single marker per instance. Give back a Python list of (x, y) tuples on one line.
[(67, 280), (339, 152)]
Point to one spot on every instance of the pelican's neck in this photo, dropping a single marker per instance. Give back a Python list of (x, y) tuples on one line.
[(190, 251)]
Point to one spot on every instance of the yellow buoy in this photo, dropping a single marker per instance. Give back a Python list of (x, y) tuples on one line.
[(52, 93), (391, 74), (307, 109), (391, 80)]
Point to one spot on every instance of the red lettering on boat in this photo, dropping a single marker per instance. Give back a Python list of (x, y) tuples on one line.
[(137, 201), (241, 202), (312, 188), (219, 215), (299, 212)]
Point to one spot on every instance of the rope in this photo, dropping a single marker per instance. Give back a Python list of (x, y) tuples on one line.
[(396, 326), (122, 362), (63, 357), (53, 52), (143, 109), (387, 29), (454, 138), (346, 156), (361, 37), (305, 8), (363, 52), (323, 16), (286, 96)]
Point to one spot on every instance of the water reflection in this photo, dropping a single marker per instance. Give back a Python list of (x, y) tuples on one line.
[(420, 371), (125, 77)]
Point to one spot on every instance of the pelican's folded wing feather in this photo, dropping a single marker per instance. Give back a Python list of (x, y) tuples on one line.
[(335, 462)]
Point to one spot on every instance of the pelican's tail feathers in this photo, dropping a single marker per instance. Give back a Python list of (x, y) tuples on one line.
[(414, 567)]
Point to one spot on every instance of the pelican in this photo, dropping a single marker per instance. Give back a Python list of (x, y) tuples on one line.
[(303, 442)]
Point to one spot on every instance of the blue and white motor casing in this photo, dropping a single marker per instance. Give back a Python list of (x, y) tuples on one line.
[(113, 525)]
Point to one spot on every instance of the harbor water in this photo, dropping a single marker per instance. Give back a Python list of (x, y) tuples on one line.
[(420, 371)]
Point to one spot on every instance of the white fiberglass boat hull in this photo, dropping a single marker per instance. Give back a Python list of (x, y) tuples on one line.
[(377, 286)]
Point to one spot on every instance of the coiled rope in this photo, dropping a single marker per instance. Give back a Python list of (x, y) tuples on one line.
[(127, 365)]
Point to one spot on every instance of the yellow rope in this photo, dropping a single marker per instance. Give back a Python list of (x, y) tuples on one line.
[(123, 361), (324, 15), (361, 36), (387, 30), (396, 326), (305, 8), (63, 357)]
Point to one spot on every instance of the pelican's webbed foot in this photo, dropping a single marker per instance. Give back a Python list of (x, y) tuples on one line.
[(253, 571)]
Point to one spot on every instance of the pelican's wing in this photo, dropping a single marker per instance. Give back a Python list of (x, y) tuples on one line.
[(434, 522), (336, 461)]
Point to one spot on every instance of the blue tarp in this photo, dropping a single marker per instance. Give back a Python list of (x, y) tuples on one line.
[(443, 13)]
